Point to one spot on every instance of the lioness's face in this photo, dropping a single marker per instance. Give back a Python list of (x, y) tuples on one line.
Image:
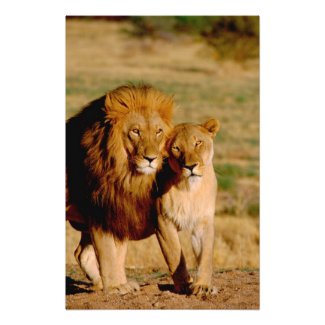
[(144, 139), (190, 149)]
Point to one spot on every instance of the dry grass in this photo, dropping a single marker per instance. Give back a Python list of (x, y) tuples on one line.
[(236, 246), (101, 56)]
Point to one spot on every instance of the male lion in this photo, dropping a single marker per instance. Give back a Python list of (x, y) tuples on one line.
[(187, 201), (113, 152)]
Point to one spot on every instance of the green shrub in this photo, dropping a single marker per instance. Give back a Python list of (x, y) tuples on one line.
[(232, 37), (153, 26), (231, 170), (226, 183), (253, 209)]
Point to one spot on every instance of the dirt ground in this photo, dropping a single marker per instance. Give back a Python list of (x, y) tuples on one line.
[(237, 289)]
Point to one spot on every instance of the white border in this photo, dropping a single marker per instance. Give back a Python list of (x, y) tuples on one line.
[(32, 163)]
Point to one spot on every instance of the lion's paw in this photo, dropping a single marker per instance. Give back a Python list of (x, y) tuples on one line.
[(183, 288), (203, 290), (123, 289)]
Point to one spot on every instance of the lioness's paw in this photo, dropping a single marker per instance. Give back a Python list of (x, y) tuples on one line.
[(129, 287), (203, 290), (123, 289)]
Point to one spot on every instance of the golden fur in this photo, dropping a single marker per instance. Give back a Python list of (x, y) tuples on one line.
[(114, 150), (187, 201)]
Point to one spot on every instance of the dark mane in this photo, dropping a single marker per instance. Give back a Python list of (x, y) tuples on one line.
[(76, 154)]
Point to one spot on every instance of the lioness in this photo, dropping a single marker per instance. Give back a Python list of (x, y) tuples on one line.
[(114, 149), (187, 201)]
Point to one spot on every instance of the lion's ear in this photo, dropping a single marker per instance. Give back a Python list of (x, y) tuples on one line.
[(212, 125), (114, 107)]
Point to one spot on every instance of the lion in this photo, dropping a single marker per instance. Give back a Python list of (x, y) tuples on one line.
[(115, 147), (188, 189)]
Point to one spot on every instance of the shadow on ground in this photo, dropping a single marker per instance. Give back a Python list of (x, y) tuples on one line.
[(73, 286)]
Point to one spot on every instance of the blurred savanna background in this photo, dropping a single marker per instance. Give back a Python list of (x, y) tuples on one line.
[(211, 65)]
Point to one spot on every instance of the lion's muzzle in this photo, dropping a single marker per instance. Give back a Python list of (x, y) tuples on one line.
[(147, 165)]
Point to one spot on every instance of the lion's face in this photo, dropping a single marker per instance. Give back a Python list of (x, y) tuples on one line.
[(140, 119), (144, 139), (190, 149)]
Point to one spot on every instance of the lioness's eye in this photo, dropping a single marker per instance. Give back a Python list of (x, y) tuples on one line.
[(159, 131), (136, 131), (198, 143), (175, 148)]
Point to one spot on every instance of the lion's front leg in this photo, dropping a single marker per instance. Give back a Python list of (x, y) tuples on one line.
[(203, 244), (111, 255), (171, 248)]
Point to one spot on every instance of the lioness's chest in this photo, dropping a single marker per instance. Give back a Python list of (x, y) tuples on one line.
[(187, 208)]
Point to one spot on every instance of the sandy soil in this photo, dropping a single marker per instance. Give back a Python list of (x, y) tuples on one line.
[(236, 290)]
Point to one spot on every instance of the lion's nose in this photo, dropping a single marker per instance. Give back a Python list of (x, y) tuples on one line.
[(190, 167), (150, 159)]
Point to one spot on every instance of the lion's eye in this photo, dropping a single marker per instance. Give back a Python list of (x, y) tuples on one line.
[(159, 131), (198, 143), (175, 148), (136, 131)]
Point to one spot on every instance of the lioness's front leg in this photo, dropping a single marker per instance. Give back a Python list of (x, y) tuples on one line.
[(111, 255), (203, 243), (171, 248)]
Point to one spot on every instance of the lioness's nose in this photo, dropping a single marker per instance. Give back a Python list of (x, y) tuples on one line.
[(150, 159), (190, 167)]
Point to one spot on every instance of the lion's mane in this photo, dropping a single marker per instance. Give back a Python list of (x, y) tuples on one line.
[(100, 179)]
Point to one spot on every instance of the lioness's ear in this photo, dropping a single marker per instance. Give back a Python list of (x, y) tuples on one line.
[(114, 107), (212, 125)]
